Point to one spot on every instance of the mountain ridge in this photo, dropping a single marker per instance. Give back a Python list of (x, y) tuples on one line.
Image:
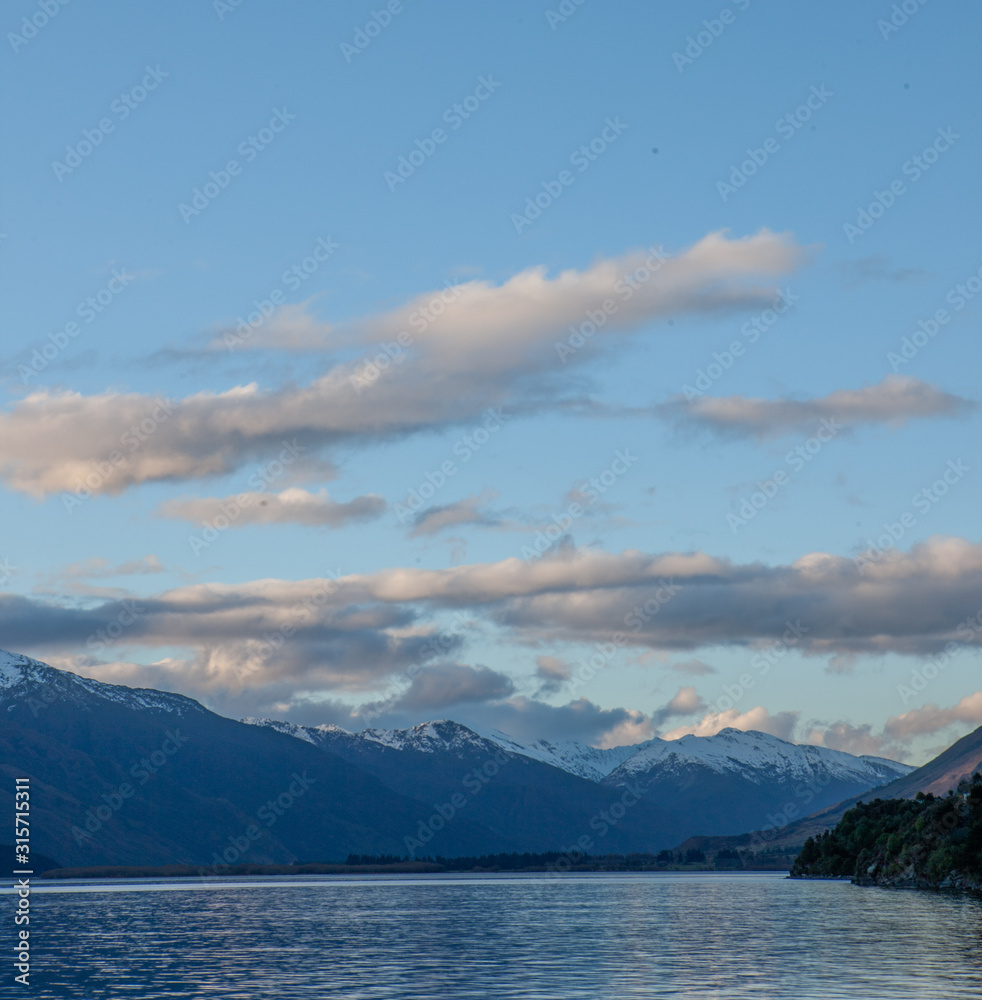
[(720, 752), (375, 792)]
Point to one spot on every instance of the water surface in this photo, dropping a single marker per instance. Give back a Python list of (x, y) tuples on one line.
[(525, 937)]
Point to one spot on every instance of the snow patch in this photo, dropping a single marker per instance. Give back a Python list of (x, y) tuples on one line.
[(18, 671)]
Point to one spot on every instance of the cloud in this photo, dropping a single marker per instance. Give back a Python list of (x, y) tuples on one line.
[(910, 603), (686, 702), (98, 567), (288, 328), (291, 506), (694, 667), (855, 739), (841, 664), (552, 672), (893, 401), (447, 684), (480, 347), (361, 634), (580, 720), (933, 719), (899, 731), (466, 511), (877, 267), (758, 718)]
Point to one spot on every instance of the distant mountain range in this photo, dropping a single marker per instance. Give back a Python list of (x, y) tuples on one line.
[(937, 777), (137, 776), (727, 782)]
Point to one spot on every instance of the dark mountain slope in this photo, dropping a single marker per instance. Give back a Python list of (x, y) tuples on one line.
[(124, 776)]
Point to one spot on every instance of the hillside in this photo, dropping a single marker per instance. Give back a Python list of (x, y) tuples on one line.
[(785, 835), (924, 842)]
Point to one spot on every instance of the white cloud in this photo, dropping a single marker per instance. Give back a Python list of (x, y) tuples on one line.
[(933, 719), (291, 506), (893, 401), (757, 718), (490, 346)]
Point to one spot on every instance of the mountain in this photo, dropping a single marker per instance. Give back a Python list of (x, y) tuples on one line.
[(727, 783), (135, 776), (125, 775), (717, 784), (529, 804), (937, 777)]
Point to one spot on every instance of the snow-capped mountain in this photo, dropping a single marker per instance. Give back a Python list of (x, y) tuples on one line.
[(25, 680), (732, 782), (125, 776), (577, 758), (759, 757), (199, 779)]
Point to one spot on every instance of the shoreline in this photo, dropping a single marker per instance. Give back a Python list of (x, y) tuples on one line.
[(403, 868)]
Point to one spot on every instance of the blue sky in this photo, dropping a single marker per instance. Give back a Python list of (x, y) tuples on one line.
[(710, 154)]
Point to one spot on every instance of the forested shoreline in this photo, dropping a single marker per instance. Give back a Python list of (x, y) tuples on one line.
[(930, 842)]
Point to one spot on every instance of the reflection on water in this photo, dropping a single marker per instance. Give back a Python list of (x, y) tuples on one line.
[(729, 936)]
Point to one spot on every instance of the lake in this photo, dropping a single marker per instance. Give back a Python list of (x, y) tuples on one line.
[(593, 936)]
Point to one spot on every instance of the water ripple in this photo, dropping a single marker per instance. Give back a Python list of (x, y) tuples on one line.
[(730, 937)]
